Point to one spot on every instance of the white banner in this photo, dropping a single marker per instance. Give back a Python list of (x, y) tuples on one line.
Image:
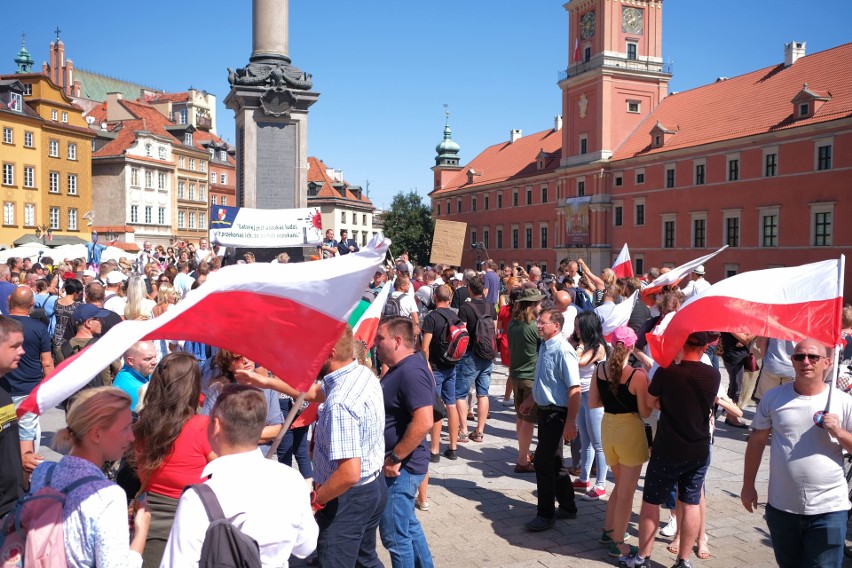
[(264, 228)]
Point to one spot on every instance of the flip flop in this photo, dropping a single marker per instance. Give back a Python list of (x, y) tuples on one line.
[(702, 553)]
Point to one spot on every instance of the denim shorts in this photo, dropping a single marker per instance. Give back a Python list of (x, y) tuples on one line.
[(445, 384), (475, 370), (29, 428), (662, 474)]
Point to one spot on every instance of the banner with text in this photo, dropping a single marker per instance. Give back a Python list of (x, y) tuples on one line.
[(576, 213), (264, 228)]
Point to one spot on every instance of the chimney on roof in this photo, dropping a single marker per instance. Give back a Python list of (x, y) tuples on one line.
[(557, 122), (514, 134), (793, 51)]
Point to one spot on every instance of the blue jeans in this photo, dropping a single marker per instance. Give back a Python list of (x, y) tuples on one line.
[(807, 540), (399, 528), (295, 443), (475, 370), (589, 424), (348, 524)]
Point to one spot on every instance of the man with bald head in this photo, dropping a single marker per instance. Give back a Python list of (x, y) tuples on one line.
[(562, 302), (139, 362), (808, 501), (35, 363)]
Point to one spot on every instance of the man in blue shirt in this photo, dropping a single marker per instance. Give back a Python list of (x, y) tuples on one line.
[(556, 391), (492, 282), (6, 288), (139, 362), (409, 391)]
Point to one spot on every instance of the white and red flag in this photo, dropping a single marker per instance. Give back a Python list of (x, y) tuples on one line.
[(673, 276), (286, 317), (576, 50), (791, 303), (368, 324), (619, 315), (622, 266)]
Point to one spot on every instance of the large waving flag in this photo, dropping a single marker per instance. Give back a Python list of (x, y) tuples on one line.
[(286, 317), (368, 324), (784, 303), (619, 315), (622, 266), (673, 276)]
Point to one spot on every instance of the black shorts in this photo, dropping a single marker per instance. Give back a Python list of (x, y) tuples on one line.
[(662, 474)]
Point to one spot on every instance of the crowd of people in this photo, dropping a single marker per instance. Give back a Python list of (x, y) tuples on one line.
[(172, 428)]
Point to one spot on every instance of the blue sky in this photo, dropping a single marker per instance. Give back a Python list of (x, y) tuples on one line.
[(386, 68)]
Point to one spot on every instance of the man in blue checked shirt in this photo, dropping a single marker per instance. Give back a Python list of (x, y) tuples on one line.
[(347, 459)]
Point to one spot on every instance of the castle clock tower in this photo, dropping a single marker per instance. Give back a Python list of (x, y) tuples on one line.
[(615, 74)]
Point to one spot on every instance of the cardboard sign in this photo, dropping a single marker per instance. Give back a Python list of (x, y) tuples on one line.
[(448, 242)]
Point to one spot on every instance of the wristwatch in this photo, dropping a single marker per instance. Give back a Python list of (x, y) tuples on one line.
[(395, 459)]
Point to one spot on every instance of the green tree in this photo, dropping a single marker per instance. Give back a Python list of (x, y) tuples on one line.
[(409, 225)]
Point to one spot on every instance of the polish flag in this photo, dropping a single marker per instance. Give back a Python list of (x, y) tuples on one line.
[(674, 276), (622, 266), (368, 324), (576, 50), (619, 315), (791, 303), (286, 317)]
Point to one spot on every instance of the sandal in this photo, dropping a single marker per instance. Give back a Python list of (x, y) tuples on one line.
[(476, 436), (615, 550), (673, 547), (463, 438), (702, 552), (422, 505)]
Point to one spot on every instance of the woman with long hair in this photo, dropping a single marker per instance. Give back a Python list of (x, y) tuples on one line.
[(64, 308), (591, 350), (622, 391), (235, 368), (137, 304), (95, 513), (504, 314), (171, 448), (523, 349)]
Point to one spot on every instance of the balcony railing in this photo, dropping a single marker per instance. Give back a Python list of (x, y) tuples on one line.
[(618, 63)]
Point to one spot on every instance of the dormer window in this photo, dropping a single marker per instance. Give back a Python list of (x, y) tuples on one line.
[(16, 102), (660, 135), (807, 102), (187, 138), (657, 141), (223, 155), (148, 149)]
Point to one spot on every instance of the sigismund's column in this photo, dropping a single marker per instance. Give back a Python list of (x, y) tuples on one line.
[(270, 99)]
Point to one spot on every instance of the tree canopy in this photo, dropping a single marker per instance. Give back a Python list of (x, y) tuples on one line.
[(409, 224)]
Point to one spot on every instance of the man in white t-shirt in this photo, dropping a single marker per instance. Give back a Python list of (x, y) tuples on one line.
[(407, 304), (562, 302), (202, 253), (698, 284), (808, 499)]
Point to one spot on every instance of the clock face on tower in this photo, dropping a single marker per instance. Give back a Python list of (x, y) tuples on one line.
[(631, 20), (587, 25)]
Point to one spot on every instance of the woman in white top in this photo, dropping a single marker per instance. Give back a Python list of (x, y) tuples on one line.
[(95, 516), (591, 349), (138, 305)]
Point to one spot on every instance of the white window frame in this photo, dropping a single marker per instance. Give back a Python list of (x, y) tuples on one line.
[(54, 115), (134, 213), (695, 164), (149, 214), (822, 207), (53, 182), (192, 219), (616, 204), (8, 174), (29, 176), (732, 214), (766, 152), (72, 219), (29, 214), (72, 184), (134, 177), (161, 216), (65, 117), (638, 104), (822, 143), (161, 180), (149, 179), (8, 213), (8, 135), (53, 148), (16, 102), (29, 139), (54, 218), (768, 211), (636, 174), (731, 158), (181, 219), (693, 217)]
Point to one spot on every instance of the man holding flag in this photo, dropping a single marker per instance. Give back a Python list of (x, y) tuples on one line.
[(807, 499)]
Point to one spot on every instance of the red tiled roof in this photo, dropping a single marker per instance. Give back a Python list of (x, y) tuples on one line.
[(506, 160), (174, 97), (318, 173), (118, 145), (754, 103), (200, 136)]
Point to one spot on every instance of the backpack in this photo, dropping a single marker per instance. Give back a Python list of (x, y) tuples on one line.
[(225, 546), (485, 342), (32, 534), (392, 307), (455, 342)]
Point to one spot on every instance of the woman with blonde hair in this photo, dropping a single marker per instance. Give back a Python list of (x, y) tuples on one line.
[(622, 391), (95, 514), (171, 448), (138, 305)]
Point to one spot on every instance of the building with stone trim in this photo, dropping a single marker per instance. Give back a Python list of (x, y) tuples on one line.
[(761, 162), (343, 206)]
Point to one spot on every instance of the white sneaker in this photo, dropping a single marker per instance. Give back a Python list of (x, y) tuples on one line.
[(671, 527)]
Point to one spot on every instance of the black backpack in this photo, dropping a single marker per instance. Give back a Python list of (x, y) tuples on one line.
[(485, 342), (225, 546)]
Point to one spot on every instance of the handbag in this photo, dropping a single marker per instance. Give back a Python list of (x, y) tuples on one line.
[(750, 364), (503, 348)]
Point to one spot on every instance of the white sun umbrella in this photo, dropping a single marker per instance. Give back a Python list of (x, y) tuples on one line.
[(115, 253)]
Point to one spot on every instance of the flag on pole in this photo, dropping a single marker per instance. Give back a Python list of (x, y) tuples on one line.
[(619, 315), (368, 324), (673, 276), (576, 50), (286, 317), (622, 266), (791, 303)]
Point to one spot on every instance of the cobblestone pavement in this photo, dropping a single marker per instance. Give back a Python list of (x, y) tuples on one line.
[(478, 507)]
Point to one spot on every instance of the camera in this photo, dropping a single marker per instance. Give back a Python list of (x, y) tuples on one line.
[(547, 278)]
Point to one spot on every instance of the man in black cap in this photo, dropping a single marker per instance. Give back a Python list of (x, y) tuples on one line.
[(87, 318), (686, 392)]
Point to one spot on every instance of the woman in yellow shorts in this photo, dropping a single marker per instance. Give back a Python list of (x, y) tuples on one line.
[(623, 393)]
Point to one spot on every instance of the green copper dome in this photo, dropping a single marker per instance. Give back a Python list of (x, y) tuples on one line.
[(24, 59), (448, 151)]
